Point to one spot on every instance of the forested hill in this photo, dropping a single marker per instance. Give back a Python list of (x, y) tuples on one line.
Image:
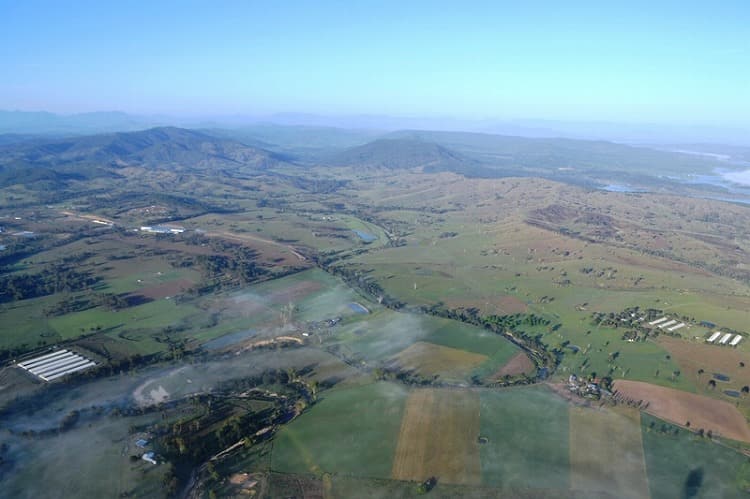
[(402, 154), (153, 146), (103, 155)]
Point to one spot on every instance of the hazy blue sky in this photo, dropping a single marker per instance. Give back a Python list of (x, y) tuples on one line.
[(657, 61)]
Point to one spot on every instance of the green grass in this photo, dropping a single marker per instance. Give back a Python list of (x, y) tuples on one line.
[(528, 443), (152, 315), (476, 340), (350, 431), (670, 459)]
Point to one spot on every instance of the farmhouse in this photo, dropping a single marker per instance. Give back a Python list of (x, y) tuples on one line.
[(55, 365), (162, 229)]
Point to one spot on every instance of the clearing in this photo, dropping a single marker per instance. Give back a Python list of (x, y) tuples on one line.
[(721, 417)]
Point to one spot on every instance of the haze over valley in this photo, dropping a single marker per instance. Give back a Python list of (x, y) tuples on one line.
[(392, 251)]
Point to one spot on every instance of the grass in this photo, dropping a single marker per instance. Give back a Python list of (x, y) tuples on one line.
[(673, 462), (528, 445), (430, 360), (350, 431), (606, 452)]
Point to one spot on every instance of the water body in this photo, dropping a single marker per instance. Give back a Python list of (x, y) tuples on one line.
[(358, 309), (229, 339), (621, 188), (365, 237), (732, 393)]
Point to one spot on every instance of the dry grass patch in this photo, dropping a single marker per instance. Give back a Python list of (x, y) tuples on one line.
[(692, 357), (438, 437), (429, 359), (721, 417), (606, 453), (518, 364)]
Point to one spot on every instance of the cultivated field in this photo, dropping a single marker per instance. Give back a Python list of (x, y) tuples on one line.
[(431, 360), (721, 417), (518, 364), (528, 443), (438, 437), (351, 431), (606, 453)]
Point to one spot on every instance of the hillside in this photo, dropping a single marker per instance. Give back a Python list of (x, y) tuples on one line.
[(403, 153), (103, 155), (540, 154)]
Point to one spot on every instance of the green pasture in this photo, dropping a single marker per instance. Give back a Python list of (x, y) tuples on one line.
[(685, 465), (528, 445), (350, 431)]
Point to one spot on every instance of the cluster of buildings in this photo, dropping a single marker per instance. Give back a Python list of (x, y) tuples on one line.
[(670, 325), (725, 338), (584, 388), (162, 229)]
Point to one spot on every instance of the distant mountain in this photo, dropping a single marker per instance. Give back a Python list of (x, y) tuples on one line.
[(403, 153), (156, 146), (102, 155), (543, 156)]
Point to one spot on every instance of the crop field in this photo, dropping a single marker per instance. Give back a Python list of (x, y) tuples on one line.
[(430, 345), (431, 360), (683, 465), (679, 407), (350, 431), (438, 437), (518, 364), (606, 453), (537, 457)]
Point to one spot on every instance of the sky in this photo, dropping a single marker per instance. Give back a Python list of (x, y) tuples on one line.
[(685, 62)]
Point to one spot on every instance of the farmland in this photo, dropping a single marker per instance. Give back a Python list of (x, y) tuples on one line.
[(351, 431), (337, 331)]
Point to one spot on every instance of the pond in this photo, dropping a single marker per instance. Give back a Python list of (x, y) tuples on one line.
[(358, 309), (365, 237), (228, 339)]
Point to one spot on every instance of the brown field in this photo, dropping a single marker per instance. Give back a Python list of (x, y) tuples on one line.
[(438, 437), (163, 290), (518, 364), (511, 305), (693, 356), (606, 453), (721, 417), (429, 359), (491, 305), (295, 292)]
